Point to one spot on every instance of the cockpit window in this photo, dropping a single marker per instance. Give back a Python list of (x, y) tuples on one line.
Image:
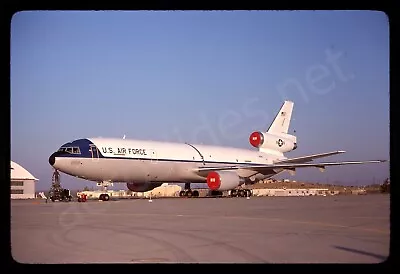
[(71, 150)]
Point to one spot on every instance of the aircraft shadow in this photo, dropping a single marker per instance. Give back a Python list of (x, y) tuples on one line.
[(361, 252)]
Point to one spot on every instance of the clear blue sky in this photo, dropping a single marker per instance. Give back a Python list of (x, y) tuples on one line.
[(203, 77)]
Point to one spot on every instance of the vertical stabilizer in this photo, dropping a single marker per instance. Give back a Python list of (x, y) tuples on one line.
[(276, 140), (282, 119)]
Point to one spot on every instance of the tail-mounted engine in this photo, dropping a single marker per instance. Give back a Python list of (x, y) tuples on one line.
[(256, 139), (223, 180), (282, 143), (142, 187)]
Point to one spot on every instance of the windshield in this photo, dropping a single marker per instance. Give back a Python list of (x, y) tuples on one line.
[(71, 150)]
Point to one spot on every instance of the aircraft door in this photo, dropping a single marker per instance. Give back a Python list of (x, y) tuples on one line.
[(94, 152)]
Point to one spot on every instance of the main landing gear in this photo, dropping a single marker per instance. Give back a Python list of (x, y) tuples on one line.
[(240, 193), (187, 192)]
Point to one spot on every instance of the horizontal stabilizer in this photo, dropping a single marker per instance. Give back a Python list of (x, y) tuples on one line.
[(267, 168), (304, 159)]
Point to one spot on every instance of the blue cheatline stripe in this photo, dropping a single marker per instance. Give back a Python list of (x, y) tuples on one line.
[(160, 160)]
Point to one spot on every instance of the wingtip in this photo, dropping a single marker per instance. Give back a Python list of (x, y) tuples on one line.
[(380, 161), (341, 151)]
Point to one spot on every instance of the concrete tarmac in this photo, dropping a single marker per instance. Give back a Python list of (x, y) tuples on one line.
[(332, 229)]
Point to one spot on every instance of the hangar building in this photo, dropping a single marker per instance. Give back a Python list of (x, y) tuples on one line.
[(22, 182)]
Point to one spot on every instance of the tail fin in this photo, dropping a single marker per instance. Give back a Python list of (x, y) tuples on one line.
[(282, 119), (276, 140)]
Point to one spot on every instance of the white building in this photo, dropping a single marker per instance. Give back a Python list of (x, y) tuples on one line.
[(164, 190), (290, 192), (22, 183)]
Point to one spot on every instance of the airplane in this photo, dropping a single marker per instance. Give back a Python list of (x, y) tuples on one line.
[(144, 165)]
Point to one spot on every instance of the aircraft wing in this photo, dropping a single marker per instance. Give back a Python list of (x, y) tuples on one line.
[(266, 168), (308, 158)]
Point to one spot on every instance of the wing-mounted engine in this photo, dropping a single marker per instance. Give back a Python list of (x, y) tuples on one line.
[(223, 180), (264, 140), (142, 187)]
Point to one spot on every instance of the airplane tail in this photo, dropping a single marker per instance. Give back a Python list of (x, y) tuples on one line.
[(282, 119), (280, 125), (276, 139)]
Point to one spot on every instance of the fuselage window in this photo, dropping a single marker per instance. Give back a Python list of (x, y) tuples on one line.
[(71, 150)]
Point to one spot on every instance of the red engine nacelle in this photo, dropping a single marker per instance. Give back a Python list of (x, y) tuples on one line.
[(213, 180), (256, 139), (224, 180)]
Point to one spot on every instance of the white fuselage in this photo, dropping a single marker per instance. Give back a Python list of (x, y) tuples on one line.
[(123, 160)]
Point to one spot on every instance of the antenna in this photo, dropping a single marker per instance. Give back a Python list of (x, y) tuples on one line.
[(123, 137)]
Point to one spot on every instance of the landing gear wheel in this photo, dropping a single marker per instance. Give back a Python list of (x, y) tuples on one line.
[(182, 193), (106, 197), (248, 192), (189, 193), (195, 193), (242, 193), (233, 193), (101, 197), (216, 193)]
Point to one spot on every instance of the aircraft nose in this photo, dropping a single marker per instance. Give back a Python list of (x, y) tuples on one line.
[(52, 159)]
